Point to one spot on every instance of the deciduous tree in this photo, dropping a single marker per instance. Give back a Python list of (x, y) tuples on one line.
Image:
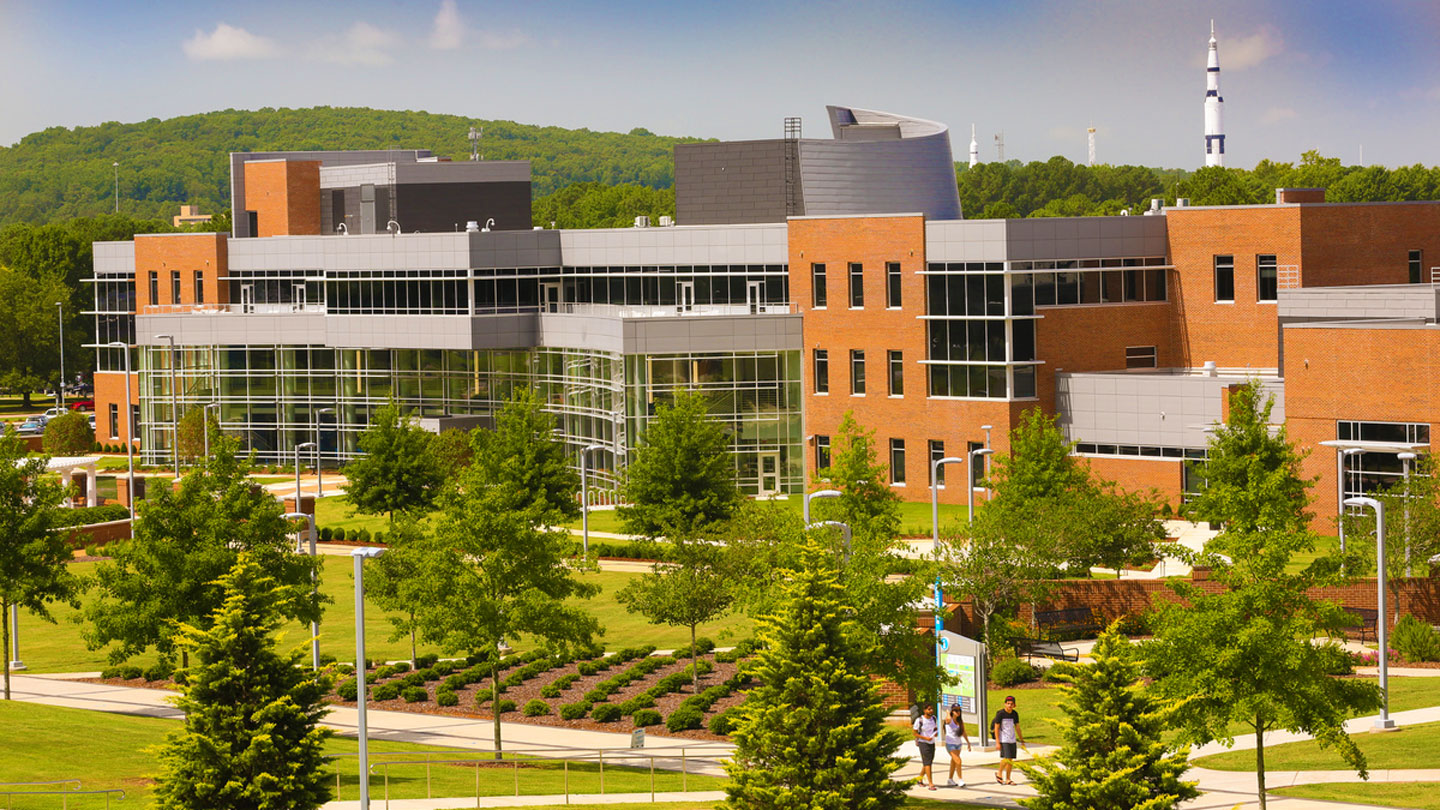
[(691, 588), (681, 479), (867, 503), (396, 471), (69, 435)]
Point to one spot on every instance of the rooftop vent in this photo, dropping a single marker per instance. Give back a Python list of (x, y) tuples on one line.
[(1299, 195), (642, 222)]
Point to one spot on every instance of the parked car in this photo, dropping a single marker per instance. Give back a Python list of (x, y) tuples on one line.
[(83, 405), (54, 412), (31, 427)]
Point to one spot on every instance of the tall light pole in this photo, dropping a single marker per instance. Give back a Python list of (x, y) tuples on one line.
[(15, 663), (205, 413), (174, 406), (129, 422), (60, 319), (585, 496), (844, 528), (1384, 723), (935, 496), (116, 166), (314, 587), (1340, 455), (319, 475), (1405, 523), (299, 506), (970, 485), (810, 496), (360, 555)]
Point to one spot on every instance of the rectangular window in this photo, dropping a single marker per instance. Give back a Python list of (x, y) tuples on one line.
[(974, 465), (1139, 357), (1416, 262), (857, 286), (897, 461), (199, 287), (937, 452), (857, 371), (134, 422), (817, 275), (175, 287), (897, 374), (822, 371), (1224, 279), (114, 421), (892, 285), (154, 288), (1267, 284), (822, 452)]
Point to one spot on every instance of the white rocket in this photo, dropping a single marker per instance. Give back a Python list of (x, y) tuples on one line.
[(974, 147), (1214, 131)]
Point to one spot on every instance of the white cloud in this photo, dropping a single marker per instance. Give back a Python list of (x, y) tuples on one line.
[(449, 29), (361, 44), (1247, 52), (507, 41), (1275, 115), (227, 42)]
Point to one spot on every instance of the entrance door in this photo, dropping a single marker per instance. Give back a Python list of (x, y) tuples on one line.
[(769, 473), (754, 296), (297, 300), (685, 296), (549, 297), (247, 298)]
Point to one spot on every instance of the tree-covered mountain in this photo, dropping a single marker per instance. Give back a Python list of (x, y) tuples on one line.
[(61, 173)]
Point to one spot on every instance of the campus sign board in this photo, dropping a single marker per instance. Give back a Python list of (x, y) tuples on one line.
[(964, 660)]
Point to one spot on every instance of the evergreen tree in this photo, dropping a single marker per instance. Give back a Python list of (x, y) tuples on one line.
[(1113, 757), (522, 452), (867, 504), (396, 472), (681, 479), (252, 736), (813, 734)]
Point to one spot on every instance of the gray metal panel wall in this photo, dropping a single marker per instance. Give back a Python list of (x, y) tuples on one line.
[(1168, 410), (114, 258), (880, 177), (728, 333), (965, 240), (731, 183), (690, 245), (327, 158), (505, 249), (1084, 237), (1341, 303), (233, 329)]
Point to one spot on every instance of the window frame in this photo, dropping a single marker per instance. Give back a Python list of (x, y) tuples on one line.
[(822, 452), (819, 292), (857, 372), (1223, 263), (1135, 357), (154, 287), (897, 471), (114, 420), (895, 360), (820, 368), (1415, 265), (856, 275), (893, 293), (1260, 281), (937, 452)]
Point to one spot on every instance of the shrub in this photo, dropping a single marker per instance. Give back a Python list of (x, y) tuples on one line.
[(588, 668), (1134, 624), (413, 679), (85, 515), (1416, 640), (68, 435), (1012, 672), (158, 672), (446, 697), (536, 708), (130, 672), (454, 682), (428, 674), (724, 723), (505, 705), (339, 533), (574, 711), (606, 713), (400, 666), (597, 696), (415, 694), (647, 717), (642, 701), (347, 689), (387, 691), (326, 533), (362, 535), (426, 660), (684, 718), (443, 668), (1061, 672)]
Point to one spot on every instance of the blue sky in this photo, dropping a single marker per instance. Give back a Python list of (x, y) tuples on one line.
[(1333, 76)]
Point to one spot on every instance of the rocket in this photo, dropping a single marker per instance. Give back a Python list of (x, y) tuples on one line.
[(974, 147), (1214, 131)]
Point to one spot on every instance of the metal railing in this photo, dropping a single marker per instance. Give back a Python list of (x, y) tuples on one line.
[(65, 795), (670, 310)]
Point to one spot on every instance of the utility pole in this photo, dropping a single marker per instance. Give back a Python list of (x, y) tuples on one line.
[(116, 166)]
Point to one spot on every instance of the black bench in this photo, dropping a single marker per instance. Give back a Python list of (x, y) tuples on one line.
[(1366, 618), (1031, 647), (1079, 621)]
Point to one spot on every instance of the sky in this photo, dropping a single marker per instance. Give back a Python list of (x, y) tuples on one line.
[(1339, 77)]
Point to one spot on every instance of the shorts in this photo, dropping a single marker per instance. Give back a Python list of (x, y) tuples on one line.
[(927, 753), (954, 746), (1007, 750)]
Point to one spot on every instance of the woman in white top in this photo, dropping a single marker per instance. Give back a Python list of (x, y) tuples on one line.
[(954, 733)]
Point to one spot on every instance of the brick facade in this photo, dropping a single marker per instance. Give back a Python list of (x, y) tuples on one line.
[(185, 254), (285, 196), (110, 389)]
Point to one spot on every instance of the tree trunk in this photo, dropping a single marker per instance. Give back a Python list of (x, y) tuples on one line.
[(1260, 760), (412, 640), (495, 696), (694, 662), (184, 658), (25, 402), (5, 639)]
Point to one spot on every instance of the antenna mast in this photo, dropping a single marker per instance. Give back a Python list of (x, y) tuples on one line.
[(475, 136), (1000, 146), (1091, 132)]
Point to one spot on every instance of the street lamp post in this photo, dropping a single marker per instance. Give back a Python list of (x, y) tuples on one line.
[(205, 414), (935, 496), (844, 528), (1340, 455), (299, 507), (174, 406), (129, 423), (970, 485), (116, 166), (824, 493), (1405, 523), (15, 663), (1384, 723), (360, 555), (585, 496), (314, 586), (319, 474), (60, 319)]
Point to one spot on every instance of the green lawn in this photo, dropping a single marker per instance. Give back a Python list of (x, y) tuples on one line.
[(59, 647), (914, 517), (1410, 747), (1416, 795)]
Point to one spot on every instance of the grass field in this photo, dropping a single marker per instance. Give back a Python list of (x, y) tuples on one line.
[(59, 647), (1415, 795), (916, 804), (1410, 747)]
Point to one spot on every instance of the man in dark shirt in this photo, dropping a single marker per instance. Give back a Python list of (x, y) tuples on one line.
[(1006, 728)]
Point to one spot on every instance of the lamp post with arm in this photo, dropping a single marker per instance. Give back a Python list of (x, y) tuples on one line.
[(810, 496), (1384, 723), (314, 587), (60, 319), (361, 555), (1406, 458), (980, 452), (319, 474), (935, 496)]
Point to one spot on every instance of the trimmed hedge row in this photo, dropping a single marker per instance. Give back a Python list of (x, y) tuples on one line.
[(691, 712)]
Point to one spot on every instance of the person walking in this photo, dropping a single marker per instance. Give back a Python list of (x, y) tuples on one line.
[(926, 729), (1006, 728), (954, 733)]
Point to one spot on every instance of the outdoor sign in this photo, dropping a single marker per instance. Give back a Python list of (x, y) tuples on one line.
[(964, 659), (637, 738)]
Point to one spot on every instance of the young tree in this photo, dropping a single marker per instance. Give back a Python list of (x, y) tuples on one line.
[(395, 579), (813, 734), (454, 450), (691, 589), (252, 737), (192, 432), (867, 504), (69, 435), (1039, 465), (492, 571), (32, 556), (1113, 757), (184, 541), (30, 341), (396, 471), (999, 560), (681, 479)]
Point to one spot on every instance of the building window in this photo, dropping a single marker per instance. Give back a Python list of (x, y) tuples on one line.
[(1373, 469), (1139, 357), (154, 288), (892, 285), (175, 287), (114, 421), (1266, 282), (134, 422), (937, 452), (1224, 279), (897, 373), (817, 274), (857, 371), (822, 452), (822, 371), (897, 461), (857, 286), (1416, 263), (199, 287)]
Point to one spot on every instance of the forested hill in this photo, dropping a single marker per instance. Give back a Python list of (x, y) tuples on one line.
[(62, 173)]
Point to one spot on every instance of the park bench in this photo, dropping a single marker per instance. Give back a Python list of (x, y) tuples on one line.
[(1031, 647), (1079, 621), (1366, 618)]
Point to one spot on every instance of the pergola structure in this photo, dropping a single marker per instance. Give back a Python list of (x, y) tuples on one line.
[(70, 466)]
